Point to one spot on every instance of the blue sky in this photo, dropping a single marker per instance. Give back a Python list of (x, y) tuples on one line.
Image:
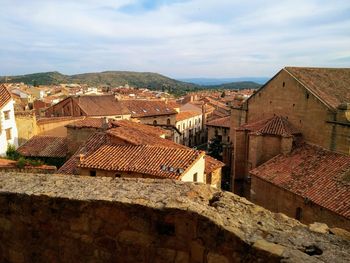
[(196, 38)]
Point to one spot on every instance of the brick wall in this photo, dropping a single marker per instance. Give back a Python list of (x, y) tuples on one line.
[(58, 218)]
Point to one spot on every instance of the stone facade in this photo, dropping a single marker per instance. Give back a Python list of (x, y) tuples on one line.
[(293, 205), (59, 218)]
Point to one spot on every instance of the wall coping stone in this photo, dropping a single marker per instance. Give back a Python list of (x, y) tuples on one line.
[(261, 229)]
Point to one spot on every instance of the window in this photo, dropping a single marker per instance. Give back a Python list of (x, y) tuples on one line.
[(208, 178), (93, 173), (298, 213), (183, 126), (195, 175), (7, 115), (168, 121), (118, 175), (190, 124), (154, 122), (8, 134), (178, 127)]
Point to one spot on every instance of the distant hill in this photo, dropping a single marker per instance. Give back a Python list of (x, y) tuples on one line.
[(219, 81), (153, 81)]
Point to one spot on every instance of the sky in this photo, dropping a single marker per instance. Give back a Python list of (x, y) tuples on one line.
[(180, 39)]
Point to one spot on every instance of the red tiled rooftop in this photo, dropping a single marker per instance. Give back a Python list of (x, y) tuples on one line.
[(143, 108), (221, 122), (5, 95), (160, 161), (183, 115), (332, 85), (276, 125), (312, 172), (211, 164), (95, 141), (44, 146), (89, 123), (139, 126)]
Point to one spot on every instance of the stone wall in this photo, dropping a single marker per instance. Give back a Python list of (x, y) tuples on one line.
[(57, 218), (278, 199), (283, 95)]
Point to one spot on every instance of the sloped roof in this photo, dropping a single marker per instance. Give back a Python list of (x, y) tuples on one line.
[(160, 161), (96, 123), (276, 125), (95, 141), (5, 95), (312, 172), (105, 105), (183, 115), (221, 122), (139, 126), (44, 146), (331, 85), (211, 164), (144, 108)]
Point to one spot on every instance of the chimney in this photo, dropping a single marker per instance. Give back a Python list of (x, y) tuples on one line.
[(104, 123)]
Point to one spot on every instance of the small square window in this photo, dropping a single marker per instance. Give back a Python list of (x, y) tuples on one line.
[(8, 134), (93, 173), (7, 115)]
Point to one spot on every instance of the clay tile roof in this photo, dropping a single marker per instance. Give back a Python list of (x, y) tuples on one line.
[(221, 122), (332, 85), (89, 123), (276, 125), (143, 108), (44, 146), (105, 105), (5, 95), (139, 137), (139, 126), (5, 163), (183, 115), (313, 173), (160, 161), (95, 141), (211, 164)]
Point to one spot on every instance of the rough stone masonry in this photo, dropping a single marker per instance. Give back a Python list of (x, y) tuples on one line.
[(59, 218)]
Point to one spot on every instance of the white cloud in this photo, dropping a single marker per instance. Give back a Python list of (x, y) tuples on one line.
[(188, 38)]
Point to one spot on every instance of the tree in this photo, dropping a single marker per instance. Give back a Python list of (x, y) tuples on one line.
[(223, 94), (215, 147)]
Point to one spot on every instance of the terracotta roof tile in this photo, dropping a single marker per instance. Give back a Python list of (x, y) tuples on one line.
[(89, 123), (221, 122), (211, 164), (160, 161), (183, 115), (332, 85), (276, 125), (143, 108), (95, 141), (44, 146), (314, 173), (5, 95), (105, 105), (139, 126)]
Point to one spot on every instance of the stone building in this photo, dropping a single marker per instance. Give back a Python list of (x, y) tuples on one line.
[(189, 125), (8, 127), (296, 105), (220, 129)]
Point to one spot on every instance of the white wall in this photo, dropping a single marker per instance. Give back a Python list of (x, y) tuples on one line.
[(198, 168), (5, 124)]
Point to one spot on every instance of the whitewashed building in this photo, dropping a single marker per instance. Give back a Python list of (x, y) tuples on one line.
[(8, 128)]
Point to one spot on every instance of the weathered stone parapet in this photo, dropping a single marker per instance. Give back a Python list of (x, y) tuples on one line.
[(57, 218)]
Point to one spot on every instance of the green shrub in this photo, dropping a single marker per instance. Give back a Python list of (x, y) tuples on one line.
[(34, 162), (11, 152), (21, 162)]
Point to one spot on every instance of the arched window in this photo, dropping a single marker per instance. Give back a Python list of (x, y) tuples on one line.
[(154, 122), (168, 121)]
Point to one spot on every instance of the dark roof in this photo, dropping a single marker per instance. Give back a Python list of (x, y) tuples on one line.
[(276, 125), (221, 122), (5, 95), (44, 146), (331, 85), (314, 173), (161, 161)]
